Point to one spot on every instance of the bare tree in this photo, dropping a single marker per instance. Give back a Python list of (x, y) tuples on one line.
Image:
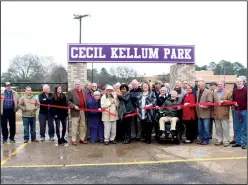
[(123, 74), (29, 67)]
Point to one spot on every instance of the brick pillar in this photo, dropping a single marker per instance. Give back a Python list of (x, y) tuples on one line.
[(182, 72), (76, 71)]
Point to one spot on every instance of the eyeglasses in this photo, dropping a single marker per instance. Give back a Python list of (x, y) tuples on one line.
[(185, 83)]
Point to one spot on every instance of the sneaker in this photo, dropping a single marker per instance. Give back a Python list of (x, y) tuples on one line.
[(51, 139), (4, 142), (226, 144), (187, 141), (162, 136), (204, 143), (25, 141), (12, 140), (42, 139), (106, 142), (244, 147), (34, 141)]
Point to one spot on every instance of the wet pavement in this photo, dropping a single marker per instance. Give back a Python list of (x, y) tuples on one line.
[(133, 163)]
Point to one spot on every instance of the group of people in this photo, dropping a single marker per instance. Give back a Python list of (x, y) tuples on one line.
[(127, 112)]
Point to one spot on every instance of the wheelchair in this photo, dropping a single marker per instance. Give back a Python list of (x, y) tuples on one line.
[(174, 136)]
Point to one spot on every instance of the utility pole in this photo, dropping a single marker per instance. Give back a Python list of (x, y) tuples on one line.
[(79, 17)]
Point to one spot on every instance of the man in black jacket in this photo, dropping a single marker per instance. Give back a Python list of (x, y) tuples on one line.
[(45, 115), (135, 126)]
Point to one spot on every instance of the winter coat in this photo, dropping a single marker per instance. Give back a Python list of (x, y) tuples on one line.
[(150, 113), (125, 105), (94, 118), (43, 99), (161, 100), (73, 100), (171, 112), (58, 112), (189, 113), (134, 94), (222, 112), (28, 105), (107, 105), (207, 97)]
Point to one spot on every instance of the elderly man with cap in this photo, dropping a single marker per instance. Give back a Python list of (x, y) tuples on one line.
[(110, 103), (95, 118), (77, 100), (9, 107)]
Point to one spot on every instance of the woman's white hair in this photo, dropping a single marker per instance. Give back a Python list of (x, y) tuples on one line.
[(45, 87)]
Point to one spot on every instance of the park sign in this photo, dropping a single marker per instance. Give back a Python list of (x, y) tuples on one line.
[(130, 53)]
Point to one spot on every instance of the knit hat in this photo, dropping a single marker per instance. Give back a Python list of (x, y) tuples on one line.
[(96, 93)]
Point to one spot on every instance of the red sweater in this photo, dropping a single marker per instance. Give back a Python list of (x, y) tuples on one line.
[(240, 96), (81, 99), (189, 112)]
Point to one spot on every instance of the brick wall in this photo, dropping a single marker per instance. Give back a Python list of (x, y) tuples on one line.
[(182, 72), (76, 71)]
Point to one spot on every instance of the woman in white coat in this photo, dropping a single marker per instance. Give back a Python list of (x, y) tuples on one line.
[(110, 103)]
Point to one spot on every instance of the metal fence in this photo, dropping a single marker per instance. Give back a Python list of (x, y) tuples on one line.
[(36, 90)]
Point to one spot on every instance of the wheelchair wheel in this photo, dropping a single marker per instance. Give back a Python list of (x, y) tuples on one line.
[(178, 139)]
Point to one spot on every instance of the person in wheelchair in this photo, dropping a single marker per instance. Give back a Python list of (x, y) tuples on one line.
[(169, 114)]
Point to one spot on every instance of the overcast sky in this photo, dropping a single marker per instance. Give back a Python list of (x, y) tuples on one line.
[(217, 29)]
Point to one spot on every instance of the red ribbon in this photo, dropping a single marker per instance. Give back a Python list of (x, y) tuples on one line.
[(135, 113)]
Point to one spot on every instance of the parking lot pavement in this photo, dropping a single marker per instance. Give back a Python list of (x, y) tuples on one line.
[(133, 163)]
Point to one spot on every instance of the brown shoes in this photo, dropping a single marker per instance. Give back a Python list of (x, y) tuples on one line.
[(218, 143)]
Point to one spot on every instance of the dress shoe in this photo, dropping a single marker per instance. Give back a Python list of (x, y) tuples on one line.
[(236, 145), (34, 141), (112, 142), (83, 142), (60, 141), (74, 143), (233, 142), (63, 140), (218, 143), (244, 147), (106, 142)]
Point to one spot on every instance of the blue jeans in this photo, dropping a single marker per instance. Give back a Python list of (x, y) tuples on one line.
[(240, 127), (32, 123), (204, 129)]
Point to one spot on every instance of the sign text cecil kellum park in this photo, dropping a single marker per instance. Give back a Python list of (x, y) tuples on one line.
[(131, 53)]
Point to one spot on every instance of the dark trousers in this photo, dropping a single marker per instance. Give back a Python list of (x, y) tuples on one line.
[(63, 122), (43, 118), (29, 122), (119, 130), (126, 125), (146, 130), (97, 133), (8, 116), (191, 129)]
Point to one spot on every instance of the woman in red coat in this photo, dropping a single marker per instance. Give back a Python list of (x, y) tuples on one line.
[(189, 115)]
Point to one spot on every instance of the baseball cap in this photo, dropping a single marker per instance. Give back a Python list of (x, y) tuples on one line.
[(7, 84), (213, 83)]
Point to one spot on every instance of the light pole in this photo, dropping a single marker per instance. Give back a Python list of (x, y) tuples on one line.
[(79, 17)]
